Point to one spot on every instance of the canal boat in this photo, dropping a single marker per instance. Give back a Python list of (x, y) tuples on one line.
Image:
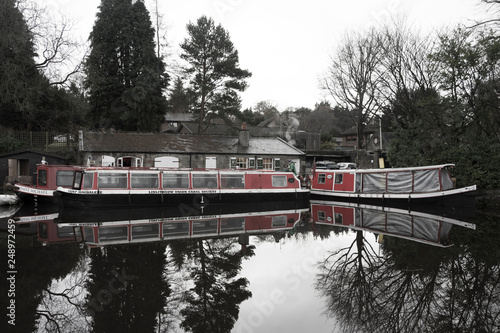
[(416, 226), (47, 179), (393, 186), (118, 187)]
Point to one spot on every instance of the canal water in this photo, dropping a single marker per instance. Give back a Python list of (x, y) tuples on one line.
[(275, 267)]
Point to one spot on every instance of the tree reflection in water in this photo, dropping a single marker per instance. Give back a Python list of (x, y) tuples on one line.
[(412, 287), (212, 304)]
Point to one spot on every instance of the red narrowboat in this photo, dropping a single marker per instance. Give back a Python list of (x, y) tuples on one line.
[(118, 187), (427, 184), (48, 178)]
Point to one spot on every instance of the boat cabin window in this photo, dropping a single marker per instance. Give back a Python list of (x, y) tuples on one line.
[(234, 224), (145, 231), (321, 178), (88, 180), (232, 181), (339, 218), (176, 229), (88, 234), (43, 231), (65, 232), (113, 233), (42, 177), (279, 221), (144, 180), (64, 178), (279, 181), (77, 183), (112, 180), (204, 180), (339, 178), (205, 227), (175, 180), (321, 216)]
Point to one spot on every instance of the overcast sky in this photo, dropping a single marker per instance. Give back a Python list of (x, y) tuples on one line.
[(286, 44)]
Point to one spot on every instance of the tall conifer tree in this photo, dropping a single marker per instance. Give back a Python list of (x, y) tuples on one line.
[(213, 70), (125, 78), (19, 78)]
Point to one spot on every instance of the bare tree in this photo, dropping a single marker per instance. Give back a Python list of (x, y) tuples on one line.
[(55, 47), (405, 61), (353, 77)]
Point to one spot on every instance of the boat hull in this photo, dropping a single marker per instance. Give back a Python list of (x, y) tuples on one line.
[(34, 196), (73, 199), (462, 199)]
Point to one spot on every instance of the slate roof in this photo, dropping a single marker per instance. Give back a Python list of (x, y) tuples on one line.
[(187, 144)]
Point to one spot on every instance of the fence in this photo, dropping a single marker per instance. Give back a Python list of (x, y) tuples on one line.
[(43, 140)]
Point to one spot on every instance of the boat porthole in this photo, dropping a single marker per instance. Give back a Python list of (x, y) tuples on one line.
[(291, 180), (329, 176)]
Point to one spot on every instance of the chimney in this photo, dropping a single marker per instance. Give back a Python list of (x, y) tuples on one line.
[(244, 138)]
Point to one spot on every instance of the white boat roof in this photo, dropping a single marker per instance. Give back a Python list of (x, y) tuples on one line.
[(429, 167)]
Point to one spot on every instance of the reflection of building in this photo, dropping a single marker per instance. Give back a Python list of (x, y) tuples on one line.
[(188, 151)]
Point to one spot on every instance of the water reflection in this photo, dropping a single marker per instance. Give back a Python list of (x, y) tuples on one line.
[(409, 286), (192, 268)]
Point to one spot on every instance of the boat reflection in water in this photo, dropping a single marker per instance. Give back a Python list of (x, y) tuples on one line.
[(144, 267), (416, 226)]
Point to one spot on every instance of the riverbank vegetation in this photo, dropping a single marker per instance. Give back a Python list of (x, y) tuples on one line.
[(437, 94)]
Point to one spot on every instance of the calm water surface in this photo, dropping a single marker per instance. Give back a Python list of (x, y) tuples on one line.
[(324, 267)]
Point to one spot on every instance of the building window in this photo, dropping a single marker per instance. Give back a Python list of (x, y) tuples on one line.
[(351, 138), (242, 163), (239, 163), (277, 164), (267, 163)]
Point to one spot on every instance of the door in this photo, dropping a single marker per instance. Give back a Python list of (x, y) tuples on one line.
[(107, 161), (166, 162), (211, 162), (129, 161)]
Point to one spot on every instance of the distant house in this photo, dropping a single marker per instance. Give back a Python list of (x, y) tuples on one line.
[(20, 166), (188, 151), (173, 122), (371, 138)]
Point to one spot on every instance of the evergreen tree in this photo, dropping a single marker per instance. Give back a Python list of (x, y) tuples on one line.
[(125, 77), (213, 68), (19, 79), (179, 100)]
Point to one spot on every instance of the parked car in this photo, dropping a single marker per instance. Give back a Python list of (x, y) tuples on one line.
[(326, 165), (344, 165), (63, 138)]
